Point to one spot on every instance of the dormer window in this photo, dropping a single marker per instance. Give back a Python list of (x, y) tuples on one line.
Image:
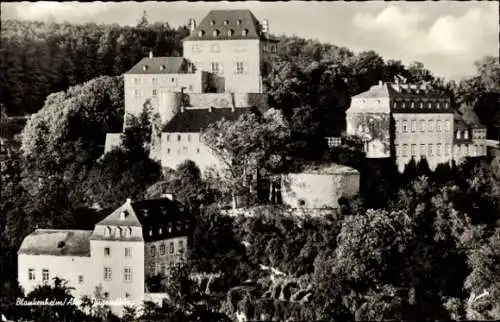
[(159, 231), (123, 215), (145, 67), (226, 22), (212, 23), (244, 32), (107, 231), (458, 134), (412, 105), (216, 33), (421, 104), (238, 22), (201, 33), (162, 67), (429, 105), (230, 32), (129, 231), (466, 135)]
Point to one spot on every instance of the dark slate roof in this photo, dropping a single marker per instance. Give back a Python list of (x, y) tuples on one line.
[(194, 120), (248, 22), (152, 215), (171, 65), (57, 243)]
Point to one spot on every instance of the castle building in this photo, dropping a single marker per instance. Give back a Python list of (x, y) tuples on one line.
[(220, 73), (136, 241), (408, 121)]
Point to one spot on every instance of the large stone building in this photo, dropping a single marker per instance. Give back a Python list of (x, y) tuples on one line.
[(220, 73), (412, 121), (136, 241)]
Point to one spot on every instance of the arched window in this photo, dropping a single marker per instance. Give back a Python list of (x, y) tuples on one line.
[(201, 33), (216, 33), (230, 32), (244, 32), (238, 22), (212, 23)]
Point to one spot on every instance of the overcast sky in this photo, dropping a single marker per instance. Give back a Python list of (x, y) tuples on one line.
[(447, 36)]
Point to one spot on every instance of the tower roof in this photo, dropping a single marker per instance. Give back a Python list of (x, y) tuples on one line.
[(229, 24)]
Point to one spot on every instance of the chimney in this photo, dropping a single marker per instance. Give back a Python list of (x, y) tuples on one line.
[(151, 54), (265, 27), (380, 83), (192, 26)]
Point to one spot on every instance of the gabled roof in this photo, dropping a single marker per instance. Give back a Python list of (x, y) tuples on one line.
[(194, 120), (226, 23), (57, 243), (160, 65), (154, 216)]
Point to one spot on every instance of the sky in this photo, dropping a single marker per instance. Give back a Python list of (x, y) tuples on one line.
[(446, 36)]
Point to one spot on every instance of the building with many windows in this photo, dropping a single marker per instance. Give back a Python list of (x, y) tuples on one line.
[(222, 68), (136, 241), (412, 121)]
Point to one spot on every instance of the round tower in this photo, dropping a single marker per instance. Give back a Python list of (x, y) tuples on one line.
[(169, 104)]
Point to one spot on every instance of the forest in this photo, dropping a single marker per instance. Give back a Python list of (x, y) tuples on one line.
[(425, 246)]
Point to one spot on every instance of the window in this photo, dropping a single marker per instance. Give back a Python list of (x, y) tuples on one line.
[(438, 150), (412, 105), (163, 268), (80, 279), (31, 274), (178, 137), (190, 88), (198, 150), (201, 33), (244, 32), (240, 68), (107, 251), (215, 67), (216, 33), (422, 126), (215, 48), (398, 127), (422, 149), (226, 22), (476, 149), (196, 49), (464, 150), (466, 134), (45, 275), (238, 22), (170, 227), (137, 80), (413, 126), (128, 252), (429, 105), (405, 126), (127, 295), (154, 80), (172, 80), (438, 126), (230, 32), (168, 150), (430, 125), (413, 149), (184, 149), (107, 273), (155, 92), (405, 150), (171, 248), (153, 251), (181, 246), (106, 294), (430, 150), (137, 93), (212, 23), (458, 134), (127, 274), (421, 104), (162, 249), (168, 138)]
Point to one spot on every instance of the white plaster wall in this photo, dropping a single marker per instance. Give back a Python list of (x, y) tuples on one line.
[(229, 52), (318, 190), (189, 147), (66, 267)]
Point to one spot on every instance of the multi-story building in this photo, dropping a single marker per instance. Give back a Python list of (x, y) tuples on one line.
[(136, 241), (411, 121), (222, 68)]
